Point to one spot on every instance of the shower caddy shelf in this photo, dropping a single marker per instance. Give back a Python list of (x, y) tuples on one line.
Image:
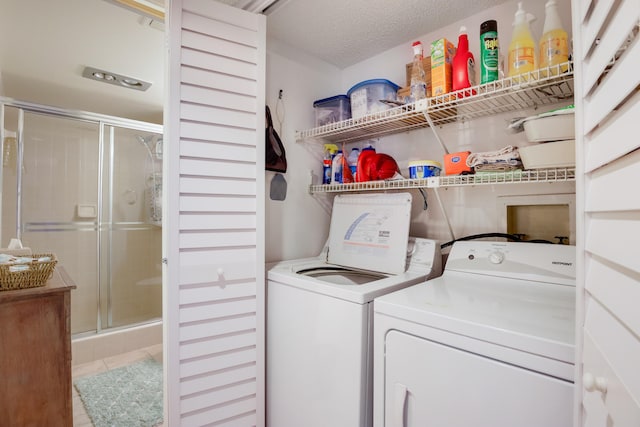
[(548, 85)]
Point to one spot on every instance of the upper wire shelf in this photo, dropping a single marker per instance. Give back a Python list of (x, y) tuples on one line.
[(548, 85)]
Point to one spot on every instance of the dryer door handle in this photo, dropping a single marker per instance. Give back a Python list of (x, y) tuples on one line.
[(400, 393)]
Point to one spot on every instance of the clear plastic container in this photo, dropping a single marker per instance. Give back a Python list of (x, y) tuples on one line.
[(330, 110), (365, 96)]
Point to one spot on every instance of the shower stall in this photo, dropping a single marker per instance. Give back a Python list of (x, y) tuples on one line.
[(88, 188)]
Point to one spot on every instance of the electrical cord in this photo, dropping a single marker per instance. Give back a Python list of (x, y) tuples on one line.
[(424, 197), (511, 237)]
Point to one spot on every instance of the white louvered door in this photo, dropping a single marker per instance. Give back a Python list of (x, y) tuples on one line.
[(607, 56), (214, 227)]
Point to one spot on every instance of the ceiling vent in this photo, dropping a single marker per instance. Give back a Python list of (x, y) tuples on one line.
[(115, 79)]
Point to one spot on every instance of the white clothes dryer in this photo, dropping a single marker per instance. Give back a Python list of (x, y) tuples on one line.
[(319, 312), (489, 343)]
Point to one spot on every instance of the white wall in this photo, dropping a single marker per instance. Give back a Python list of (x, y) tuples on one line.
[(298, 227)]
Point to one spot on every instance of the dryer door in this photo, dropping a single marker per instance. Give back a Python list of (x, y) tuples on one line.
[(428, 383)]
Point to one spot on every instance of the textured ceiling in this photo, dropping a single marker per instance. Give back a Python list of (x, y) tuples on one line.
[(43, 50), (345, 32)]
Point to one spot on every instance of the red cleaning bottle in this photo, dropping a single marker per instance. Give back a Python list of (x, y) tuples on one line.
[(463, 65)]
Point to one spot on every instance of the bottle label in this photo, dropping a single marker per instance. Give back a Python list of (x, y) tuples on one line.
[(326, 174), (471, 71), (326, 171), (553, 51), (359, 105), (521, 60)]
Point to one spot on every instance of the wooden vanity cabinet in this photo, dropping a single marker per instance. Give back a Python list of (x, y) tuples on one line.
[(35, 354)]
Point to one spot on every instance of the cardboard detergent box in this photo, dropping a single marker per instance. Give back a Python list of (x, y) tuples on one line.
[(442, 53)]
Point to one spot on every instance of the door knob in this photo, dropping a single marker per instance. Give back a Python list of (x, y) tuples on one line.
[(593, 383)]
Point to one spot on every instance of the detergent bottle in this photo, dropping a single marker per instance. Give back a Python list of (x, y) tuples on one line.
[(522, 49), (464, 73), (362, 170), (554, 45)]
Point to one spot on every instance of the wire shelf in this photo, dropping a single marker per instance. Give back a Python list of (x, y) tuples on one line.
[(485, 178), (539, 87)]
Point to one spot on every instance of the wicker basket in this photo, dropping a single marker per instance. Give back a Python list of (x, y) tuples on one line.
[(37, 274)]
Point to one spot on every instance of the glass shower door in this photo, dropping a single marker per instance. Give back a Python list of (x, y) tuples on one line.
[(55, 208), (131, 264)]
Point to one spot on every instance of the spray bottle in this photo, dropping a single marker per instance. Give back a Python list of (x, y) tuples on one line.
[(522, 49), (489, 51), (418, 76), (327, 160), (464, 74), (554, 46)]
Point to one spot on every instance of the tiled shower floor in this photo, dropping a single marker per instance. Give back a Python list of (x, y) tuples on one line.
[(80, 417)]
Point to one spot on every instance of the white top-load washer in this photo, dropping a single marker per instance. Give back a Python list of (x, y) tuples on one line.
[(489, 343), (319, 312)]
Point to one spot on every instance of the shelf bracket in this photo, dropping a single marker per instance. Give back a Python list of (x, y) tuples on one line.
[(435, 132), (326, 205), (444, 213)]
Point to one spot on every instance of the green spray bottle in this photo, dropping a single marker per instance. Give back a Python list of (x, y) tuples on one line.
[(489, 51)]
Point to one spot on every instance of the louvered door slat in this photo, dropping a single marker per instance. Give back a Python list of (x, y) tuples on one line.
[(607, 106)]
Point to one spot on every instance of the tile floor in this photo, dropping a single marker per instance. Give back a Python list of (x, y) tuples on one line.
[(80, 417)]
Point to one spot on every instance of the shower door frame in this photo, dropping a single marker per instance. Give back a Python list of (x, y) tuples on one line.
[(102, 121)]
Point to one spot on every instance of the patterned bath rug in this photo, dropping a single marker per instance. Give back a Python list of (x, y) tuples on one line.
[(130, 396)]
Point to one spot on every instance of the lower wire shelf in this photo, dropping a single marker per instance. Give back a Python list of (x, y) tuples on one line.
[(484, 178)]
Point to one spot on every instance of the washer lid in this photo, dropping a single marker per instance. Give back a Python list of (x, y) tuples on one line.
[(370, 232)]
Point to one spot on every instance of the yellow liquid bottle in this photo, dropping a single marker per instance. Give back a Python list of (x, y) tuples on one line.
[(554, 44), (522, 49)]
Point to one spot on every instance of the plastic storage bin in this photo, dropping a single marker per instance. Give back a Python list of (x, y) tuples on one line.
[(365, 96), (559, 154), (552, 126), (331, 110)]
